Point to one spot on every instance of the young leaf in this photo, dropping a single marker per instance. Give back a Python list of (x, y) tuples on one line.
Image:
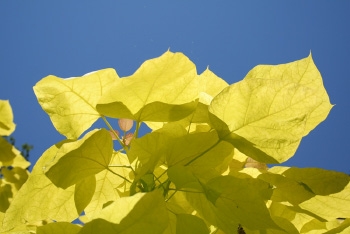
[(271, 113), (125, 124), (163, 89), (70, 103), (127, 138), (86, 157)]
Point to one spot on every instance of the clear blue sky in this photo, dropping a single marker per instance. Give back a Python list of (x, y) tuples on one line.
[(71, 38)]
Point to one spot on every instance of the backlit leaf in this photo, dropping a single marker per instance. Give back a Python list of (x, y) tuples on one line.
[(109, 186), (163, 89), (84, 158), (237, 197), (266, 114), (71, 102), (148, 215), (39, 199)]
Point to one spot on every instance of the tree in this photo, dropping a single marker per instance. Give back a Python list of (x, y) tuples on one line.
[(201, 169)]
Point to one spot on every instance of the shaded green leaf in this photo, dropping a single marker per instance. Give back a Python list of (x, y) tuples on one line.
[(84, 190), (59, 228), (6, 152), (189, 224)]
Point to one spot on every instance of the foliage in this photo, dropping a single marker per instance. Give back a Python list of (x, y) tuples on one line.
[(202, 167), (13, 165)]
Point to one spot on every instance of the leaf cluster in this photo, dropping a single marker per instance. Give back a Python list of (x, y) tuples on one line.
[(202, 168)]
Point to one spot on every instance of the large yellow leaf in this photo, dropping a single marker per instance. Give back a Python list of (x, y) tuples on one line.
[(163, 89), (7, 125), (305, 73), (266, 114), (71, 102)]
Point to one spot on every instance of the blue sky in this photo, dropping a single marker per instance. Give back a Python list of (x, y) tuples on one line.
[(71, 38)]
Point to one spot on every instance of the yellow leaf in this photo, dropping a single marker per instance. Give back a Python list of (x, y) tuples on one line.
[(71, 102), (266, 114), (7, 125), (163, 89), (83, 158), (108, 185), (39, 199)]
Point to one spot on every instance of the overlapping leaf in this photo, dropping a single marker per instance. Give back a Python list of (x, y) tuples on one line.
[(109, 187), (163, 89), (83, 158), (71, 102), (144, 214), (39, 199), (59, 228), (266, 114)]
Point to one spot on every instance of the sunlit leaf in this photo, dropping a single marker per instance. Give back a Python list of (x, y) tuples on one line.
[(7, 125), (109, 186), (85, 158), (163, 89), (235, 198), (266, 114), (332, 206), (148, 215), (71, 102), (39, 199), (304, 73)]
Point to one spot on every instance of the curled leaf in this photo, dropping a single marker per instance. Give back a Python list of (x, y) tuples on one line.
[(127, 138)]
